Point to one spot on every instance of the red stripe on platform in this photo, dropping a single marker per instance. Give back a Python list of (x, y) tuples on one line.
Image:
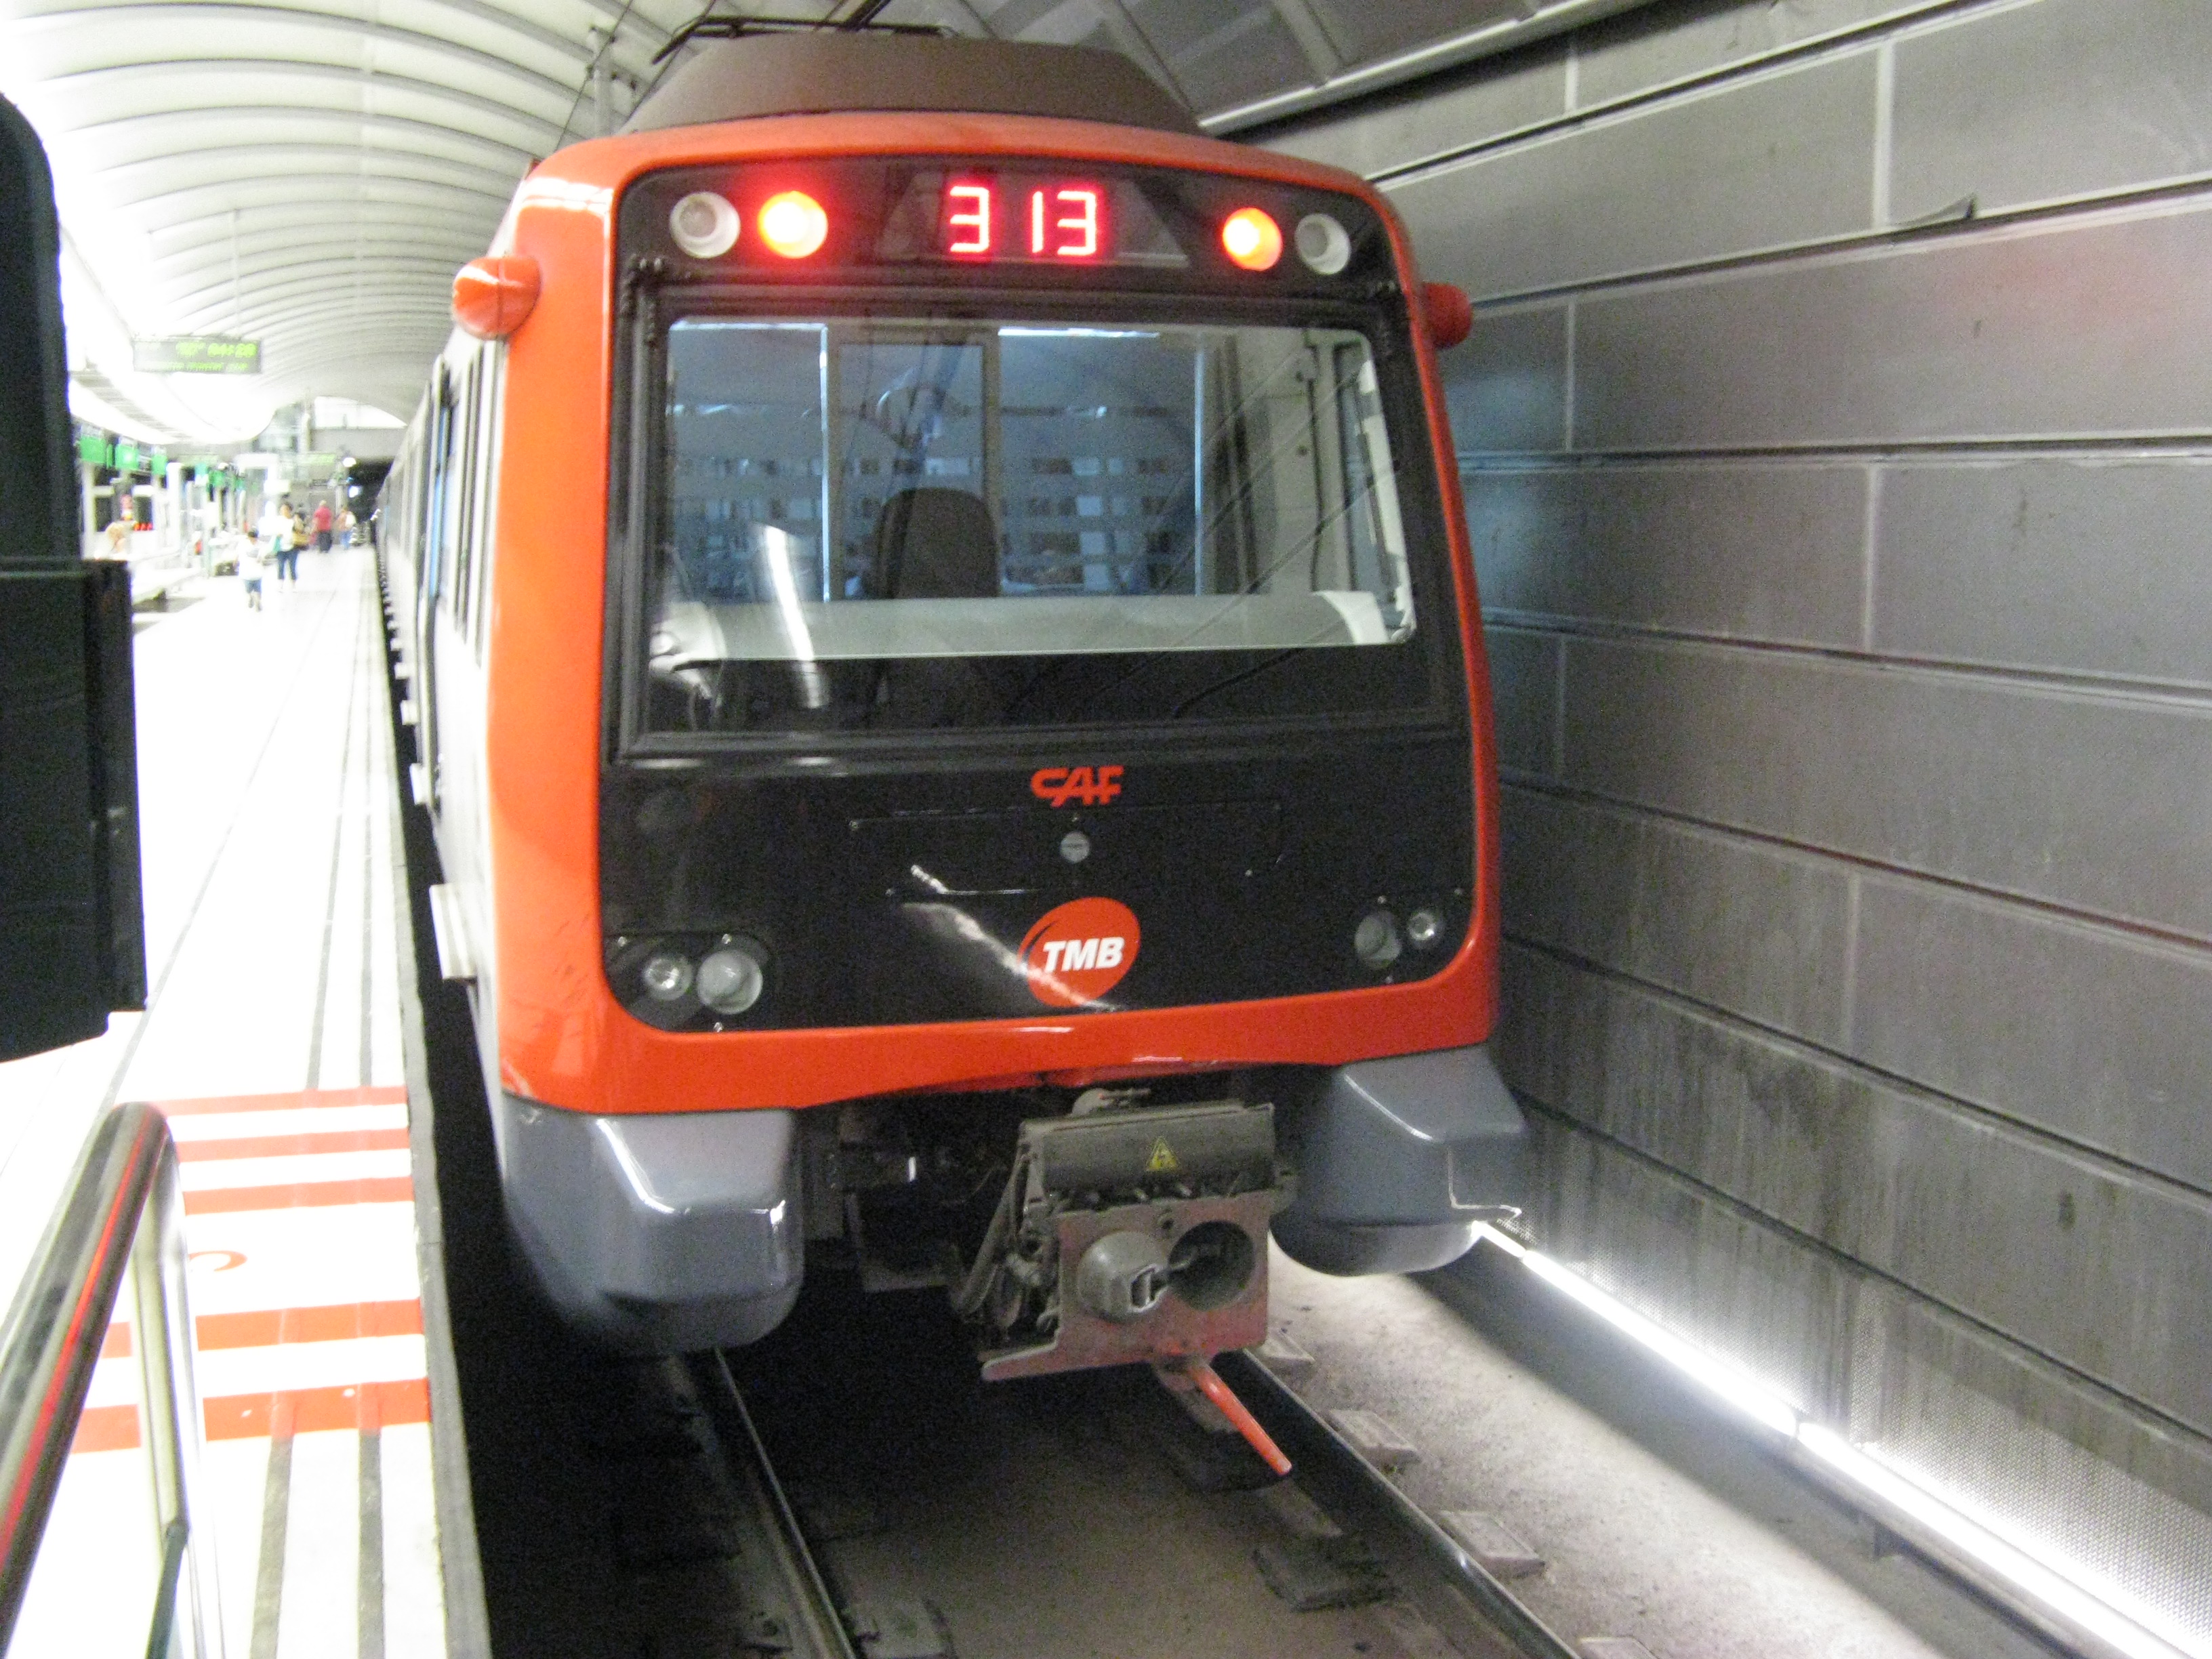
[(312, 1097), (328, 1141), (299, 1195), (105, 1428), (338, 1324), (366, 1405), (265, 1328)]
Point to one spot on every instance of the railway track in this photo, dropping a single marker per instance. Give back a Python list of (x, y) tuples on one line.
[(1091, 1514)]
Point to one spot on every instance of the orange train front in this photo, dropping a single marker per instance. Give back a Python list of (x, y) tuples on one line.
[(948, 681)]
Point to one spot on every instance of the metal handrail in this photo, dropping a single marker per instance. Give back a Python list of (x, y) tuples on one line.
[(52, 1340)]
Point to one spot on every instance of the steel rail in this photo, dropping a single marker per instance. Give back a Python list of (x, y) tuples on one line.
[(1328, 1460), (820, 1632), (125, 1179)]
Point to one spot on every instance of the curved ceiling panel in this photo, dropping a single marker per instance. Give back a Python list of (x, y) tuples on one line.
[(310, 173), (307, 174)]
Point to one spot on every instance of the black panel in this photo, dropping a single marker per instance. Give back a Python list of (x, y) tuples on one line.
[(901, 891), (69, 917), (1268, 798), (884, 218), (38, 501), (113, 727), (72, 942)]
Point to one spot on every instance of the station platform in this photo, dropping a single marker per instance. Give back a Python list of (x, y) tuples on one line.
[(272, 1043)]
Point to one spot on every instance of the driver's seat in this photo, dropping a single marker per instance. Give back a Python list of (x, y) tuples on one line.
[(935, 543)]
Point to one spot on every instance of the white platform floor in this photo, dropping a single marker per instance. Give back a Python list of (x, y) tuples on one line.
[(271, 1039)]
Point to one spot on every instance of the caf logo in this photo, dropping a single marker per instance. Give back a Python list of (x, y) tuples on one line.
[(1078, 951)]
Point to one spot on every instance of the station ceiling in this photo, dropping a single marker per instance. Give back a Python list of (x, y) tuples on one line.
[(309, 173)]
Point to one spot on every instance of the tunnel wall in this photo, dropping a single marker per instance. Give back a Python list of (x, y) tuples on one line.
[(1835, 435)]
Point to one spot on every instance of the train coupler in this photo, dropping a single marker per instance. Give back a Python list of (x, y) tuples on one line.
[(1125, 1236)]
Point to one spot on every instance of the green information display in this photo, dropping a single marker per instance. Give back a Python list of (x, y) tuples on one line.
[(196, 354)]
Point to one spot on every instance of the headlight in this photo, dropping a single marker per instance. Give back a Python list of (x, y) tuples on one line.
[(704, 224), (1425, 929), (1376, 940), (1323, 244), (733, 974), (666, 976)]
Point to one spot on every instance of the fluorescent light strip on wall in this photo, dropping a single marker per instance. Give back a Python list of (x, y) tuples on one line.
[(2060, 1595)]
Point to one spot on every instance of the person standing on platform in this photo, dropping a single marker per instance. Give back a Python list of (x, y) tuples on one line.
[(280, 535), (323, 519), (250, 567), (120, 526)]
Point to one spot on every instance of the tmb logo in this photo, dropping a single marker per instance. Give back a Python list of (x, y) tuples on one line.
[(1093, 786), (1078, 951)]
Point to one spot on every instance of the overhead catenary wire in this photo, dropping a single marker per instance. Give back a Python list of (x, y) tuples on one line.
[(593, 69)]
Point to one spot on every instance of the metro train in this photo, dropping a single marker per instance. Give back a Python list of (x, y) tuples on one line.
[(944, 653)]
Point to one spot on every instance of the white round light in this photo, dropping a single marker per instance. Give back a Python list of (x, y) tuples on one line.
[(731, 979), (1424, 928), (1376, 940), (1323, 244), (666, 976), (705, 226)]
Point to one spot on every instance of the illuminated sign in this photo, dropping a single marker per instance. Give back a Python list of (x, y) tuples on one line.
[(1032, 221), (196, 354)]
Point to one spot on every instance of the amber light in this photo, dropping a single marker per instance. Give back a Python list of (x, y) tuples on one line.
[(1252, 238), (493, 295), (793, 224)]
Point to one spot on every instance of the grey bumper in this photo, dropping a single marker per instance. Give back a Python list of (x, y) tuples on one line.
[(660, 1233), (1399, 1160)]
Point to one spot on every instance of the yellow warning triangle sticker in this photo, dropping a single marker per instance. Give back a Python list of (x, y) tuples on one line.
[(1163, 1160)]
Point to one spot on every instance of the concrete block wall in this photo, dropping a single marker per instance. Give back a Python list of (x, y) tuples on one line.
[(1837, 437)]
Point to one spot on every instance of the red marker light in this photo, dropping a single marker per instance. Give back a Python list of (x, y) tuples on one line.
[(794, 225), (1251, 240), (967, 220)]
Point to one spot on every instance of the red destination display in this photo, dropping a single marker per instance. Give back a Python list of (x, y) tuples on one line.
[(987, 219)]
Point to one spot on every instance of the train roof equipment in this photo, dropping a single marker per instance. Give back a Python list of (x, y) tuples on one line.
[(836, 73)]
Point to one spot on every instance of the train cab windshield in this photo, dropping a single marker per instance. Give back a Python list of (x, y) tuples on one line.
[(884, 496), (1011, 488)]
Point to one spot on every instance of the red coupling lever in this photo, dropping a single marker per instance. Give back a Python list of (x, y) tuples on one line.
[(1197, 1371)]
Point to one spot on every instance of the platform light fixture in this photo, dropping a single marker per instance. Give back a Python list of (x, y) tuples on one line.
[(2119, 1623)]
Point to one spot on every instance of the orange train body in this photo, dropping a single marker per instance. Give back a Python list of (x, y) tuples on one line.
[(563, 1038)]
